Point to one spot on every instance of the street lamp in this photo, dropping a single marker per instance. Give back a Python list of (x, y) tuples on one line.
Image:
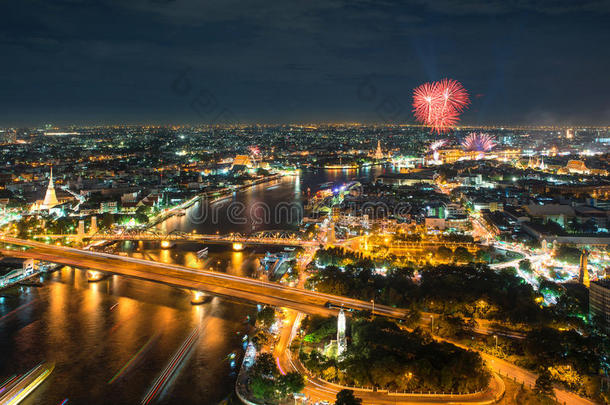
[(432, 326), (373, 302), (496, 337)]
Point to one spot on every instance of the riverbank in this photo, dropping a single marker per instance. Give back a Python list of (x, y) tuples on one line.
[(217, 195), (262, 379), (11, 282), (241, 385)]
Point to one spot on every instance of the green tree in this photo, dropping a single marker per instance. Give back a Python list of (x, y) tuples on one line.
[(107, 220), (290, 383), (525, 266), (262, 388), (266, 316), (266, 382), (262, 377), (260, 339), (22, 229), (568, 254), (462, 255), (444, 253), (455, 326), (483, 255), (346, 397), (142, 214), (544, 383), (264, 366)]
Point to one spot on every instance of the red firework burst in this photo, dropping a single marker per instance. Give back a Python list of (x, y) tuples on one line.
[(424, 100), (453, 94), (444, 120), (439, 104)]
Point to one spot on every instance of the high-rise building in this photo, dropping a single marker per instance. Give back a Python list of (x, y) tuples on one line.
[(599, 301), (583, 276), (330, 235), (93, 229)]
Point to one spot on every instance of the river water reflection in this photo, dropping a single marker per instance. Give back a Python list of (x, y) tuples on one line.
[(111, 339)]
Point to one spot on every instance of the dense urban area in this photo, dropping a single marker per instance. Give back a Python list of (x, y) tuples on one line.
[(364, 264)]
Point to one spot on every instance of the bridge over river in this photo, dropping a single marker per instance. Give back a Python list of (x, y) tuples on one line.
[(306, 301), (281, 238)]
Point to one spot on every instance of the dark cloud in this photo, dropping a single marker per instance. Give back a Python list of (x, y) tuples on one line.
[(115, 60), (498, 7)]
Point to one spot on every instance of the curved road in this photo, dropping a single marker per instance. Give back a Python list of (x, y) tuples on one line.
[(320, 390)]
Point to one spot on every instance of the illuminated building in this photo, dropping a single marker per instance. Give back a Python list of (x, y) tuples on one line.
[(341, 340), (450, 155), (536, 163), (330, 237), (241, 162), (576, 166), (507, 154), (599, 301), (50, 198), (378, 152), (583, 276), (50, 202)]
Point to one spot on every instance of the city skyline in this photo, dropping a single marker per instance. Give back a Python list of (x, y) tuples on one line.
[(321, 202)]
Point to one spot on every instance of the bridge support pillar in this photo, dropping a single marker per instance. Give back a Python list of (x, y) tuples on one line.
[(93, 276), (198, 298)]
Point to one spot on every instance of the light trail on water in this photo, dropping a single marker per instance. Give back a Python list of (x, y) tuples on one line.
[(19, 388), (14, 311), (133, 359), (161, 382), (8, 382)]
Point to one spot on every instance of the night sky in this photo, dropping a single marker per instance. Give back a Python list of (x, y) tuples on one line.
[(225, 61)]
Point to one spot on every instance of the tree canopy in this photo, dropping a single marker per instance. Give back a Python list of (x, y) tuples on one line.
[(347, 397), (267, 383), (380, 353)]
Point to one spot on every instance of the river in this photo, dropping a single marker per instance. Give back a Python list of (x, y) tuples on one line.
[(111, 339)]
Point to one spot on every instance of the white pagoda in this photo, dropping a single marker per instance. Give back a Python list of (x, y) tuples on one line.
[(50, 198), (378, 153)]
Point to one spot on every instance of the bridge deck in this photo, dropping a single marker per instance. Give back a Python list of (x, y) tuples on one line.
[(188, 237), (217, 283)]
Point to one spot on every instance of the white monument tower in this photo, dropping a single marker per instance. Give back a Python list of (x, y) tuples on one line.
[(50, 198), (341, 341)]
